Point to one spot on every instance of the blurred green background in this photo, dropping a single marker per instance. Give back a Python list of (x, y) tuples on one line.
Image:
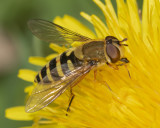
[(17, 43)]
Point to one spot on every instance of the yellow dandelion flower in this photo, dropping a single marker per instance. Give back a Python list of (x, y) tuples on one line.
[(132, 103)]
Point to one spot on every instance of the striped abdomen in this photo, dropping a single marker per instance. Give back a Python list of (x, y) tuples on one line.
[(58, 67)]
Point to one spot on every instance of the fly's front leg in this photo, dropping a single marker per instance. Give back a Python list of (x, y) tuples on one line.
[(125, 61)]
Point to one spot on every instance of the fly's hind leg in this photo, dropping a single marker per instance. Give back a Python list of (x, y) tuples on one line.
[(72, 95), (70, 101)]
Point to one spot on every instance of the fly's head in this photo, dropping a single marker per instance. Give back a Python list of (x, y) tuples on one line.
[(114, 50)]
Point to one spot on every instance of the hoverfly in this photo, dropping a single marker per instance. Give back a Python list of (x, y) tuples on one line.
[(70, 67)]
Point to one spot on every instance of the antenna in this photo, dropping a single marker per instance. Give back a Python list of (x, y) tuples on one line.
[(125, 39)]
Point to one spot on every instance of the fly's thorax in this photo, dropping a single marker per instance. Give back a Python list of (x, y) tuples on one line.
[(93, 50)]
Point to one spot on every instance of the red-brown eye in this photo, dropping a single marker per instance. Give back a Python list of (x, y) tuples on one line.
[(113, 52)]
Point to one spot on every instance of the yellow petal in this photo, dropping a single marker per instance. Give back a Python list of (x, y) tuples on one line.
[(100, 27), (29, 89), (74, 25), (111, 10), (76, 44), (51, 56), (111, 20), (40, 61), (86, 16), (102, 30), (123, 16), (90, 19), (18, 113), (27, 75), (50, 126), (57, 48), (134, 17)]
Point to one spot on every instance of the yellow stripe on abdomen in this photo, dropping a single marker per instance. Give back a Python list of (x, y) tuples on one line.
[(49, 73), (40, 76), (58, 66), (70, 65)]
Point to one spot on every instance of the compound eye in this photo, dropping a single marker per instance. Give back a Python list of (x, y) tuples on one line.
[(113, 53)]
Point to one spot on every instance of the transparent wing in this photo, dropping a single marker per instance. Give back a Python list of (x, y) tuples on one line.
[(45, 93), (51, 32)]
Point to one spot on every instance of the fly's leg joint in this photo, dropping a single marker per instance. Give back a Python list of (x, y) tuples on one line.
[(115, 67), (125, 60)]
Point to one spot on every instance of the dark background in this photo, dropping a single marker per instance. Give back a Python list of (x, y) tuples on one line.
[(17, 43)]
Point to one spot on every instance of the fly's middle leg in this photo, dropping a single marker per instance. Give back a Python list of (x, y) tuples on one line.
[(95, 74)]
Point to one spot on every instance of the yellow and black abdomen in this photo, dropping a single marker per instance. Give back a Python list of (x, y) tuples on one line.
[(58, 67)]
